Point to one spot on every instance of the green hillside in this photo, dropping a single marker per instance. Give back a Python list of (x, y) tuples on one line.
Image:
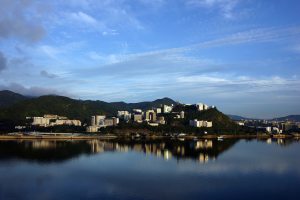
[(71, 108), (56, 105), (8, 98)]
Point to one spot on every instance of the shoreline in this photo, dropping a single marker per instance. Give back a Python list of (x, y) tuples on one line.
[(111, 136)]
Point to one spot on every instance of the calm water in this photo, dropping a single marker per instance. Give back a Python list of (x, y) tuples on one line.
[(169, 169)]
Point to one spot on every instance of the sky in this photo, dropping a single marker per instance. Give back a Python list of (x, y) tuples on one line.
[(242, 56)]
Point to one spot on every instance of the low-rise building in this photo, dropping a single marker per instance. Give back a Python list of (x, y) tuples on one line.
[(125, 115), (138, 118), (201, 123), (167, 109), (161, 120), (202, 106), (92, 129), (54, 120), (157, 110)]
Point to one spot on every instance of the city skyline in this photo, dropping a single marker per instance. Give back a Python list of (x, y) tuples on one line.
[(242, 56)]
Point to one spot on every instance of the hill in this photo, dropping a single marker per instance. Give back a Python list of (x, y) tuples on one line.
[(142, 105), (221, 122), (71, 108), (295, 118), (237, 117), (8, 98)]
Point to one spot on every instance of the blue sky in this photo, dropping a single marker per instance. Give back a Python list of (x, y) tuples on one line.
[(241, 55)]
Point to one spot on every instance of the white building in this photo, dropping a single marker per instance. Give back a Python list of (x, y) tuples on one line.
[(202, 106), (200, 123), (41, 121), (54, 120), (182, 114), (158, 110), (68, 122), (137, 111), (138, 118), (125, 115), (167, 109), (99, 119)]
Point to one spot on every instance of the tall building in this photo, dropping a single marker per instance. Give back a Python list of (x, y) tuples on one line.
[(150, 115), (182, 114), (93, 121), (99, 119)]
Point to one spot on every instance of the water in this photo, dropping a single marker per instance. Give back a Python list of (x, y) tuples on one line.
[(160, 169)]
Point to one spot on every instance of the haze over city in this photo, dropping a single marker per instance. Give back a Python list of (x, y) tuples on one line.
[(240, 55)]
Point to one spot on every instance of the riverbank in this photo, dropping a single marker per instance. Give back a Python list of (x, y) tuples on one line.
[(55, 137), (112, 136)]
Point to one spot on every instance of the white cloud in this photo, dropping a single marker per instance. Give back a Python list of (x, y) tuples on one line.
[(225, 6), (33, 91), (83, 17)]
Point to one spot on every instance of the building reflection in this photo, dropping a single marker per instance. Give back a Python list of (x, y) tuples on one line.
[(201, 151)]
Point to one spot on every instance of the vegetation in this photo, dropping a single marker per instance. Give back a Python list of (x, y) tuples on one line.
[(16, 114), (8, 98)]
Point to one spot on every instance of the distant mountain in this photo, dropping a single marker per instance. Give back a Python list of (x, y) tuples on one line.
[(8, 98), (295, 118), (237, 117), (71, 108)]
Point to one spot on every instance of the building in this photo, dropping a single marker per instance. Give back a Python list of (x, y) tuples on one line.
[(157, 110), (137, 111), (115, 121), (92, 129), (41, 121), (66, 122), (201, 123), (125, 115), (161, 120), (54, 120), (150, 115), (99, 119), (269, 129), (93, 121), (202, 106), (240, 123), (108, 122), (208, 124), (182, 114), (167, 109), (138, 118), (152, 124)]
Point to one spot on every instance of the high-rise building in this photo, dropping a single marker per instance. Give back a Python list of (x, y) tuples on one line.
[(182, 114), (93, 120), (150, 115)]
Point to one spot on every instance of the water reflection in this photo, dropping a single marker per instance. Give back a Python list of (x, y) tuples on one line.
[(201, 151), (150, 169)]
